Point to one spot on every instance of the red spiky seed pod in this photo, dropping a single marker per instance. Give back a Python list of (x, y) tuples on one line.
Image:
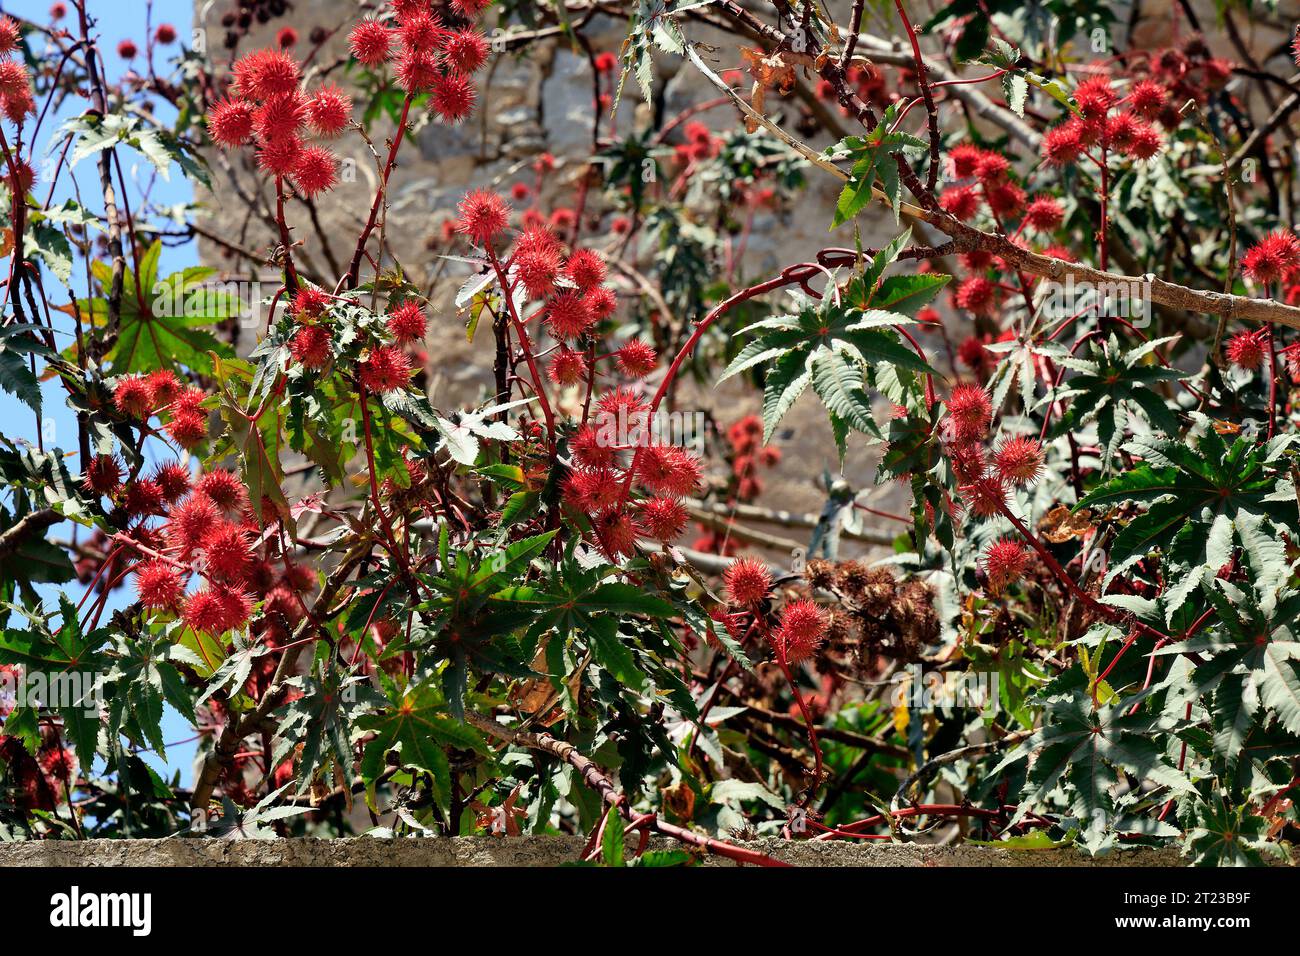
[(484, 215), (387, 369), (280, 157), (227, 553), (1044, 214), (103, 475), (188, 428), (315, 172), (801, 631), (407, 322), (567, 316), (230, 122), (159, 585), (667, 468), (1095, 96), (1019, 460), (991, 168), (1246, 350), (586, 269), (1062, 144), (174, 480), (963, 158), (369, 42), (962, 201), (1147, 98), (663, 518), (133, 396), (986, 496), (262, 74), (1272, 258), (329, 111), (636, 359), (420, 32), (600, 302), (224, 489), (190, 522), (143, 497), (309, 301), (453, 97), (589, 447), (593, 489), (9, 35), (1005, 562), (616, 531), (977, 294), (205, 613), (280, 117), (747, 581), (971, 410), (164, 387), (567, 367), (465, 51)]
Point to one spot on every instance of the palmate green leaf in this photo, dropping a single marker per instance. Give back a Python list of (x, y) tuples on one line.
[(785, 382), (50, 245), (322, 721), (94, 133), (62, 650), (162, 322), (839, 383), (1086, 748), (1188, 489), (143, 676), (907, 294), (1224, 834), (829, 346), (418, 727), (233, 671), (874, 159), (68, 661), (1112, 383), (1252, 645)]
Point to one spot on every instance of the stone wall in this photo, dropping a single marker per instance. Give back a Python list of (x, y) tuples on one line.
[(521, 851)]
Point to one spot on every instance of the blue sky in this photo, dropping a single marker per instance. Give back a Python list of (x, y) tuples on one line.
[(116, 20)]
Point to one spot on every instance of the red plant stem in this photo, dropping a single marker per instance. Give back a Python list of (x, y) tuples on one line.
[(354, 269), (788, 276), (1110, 613), (808, 721), (1272, 379), (1105, 216)]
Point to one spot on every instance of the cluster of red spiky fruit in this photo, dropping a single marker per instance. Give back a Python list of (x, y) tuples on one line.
[(987, 479), (614, 448), (208, 532), (16, 102), (160, 393), (985, 184), (802, 626), (267, 106), (427, 54), (1108, 123), (385, 366)]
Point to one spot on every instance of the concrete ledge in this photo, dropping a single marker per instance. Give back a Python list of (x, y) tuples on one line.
[(539, 851)]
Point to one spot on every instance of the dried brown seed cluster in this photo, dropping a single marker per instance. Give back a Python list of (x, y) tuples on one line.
[(881, 615)]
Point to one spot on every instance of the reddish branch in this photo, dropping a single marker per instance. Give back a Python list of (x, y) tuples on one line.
[(595, 778)]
